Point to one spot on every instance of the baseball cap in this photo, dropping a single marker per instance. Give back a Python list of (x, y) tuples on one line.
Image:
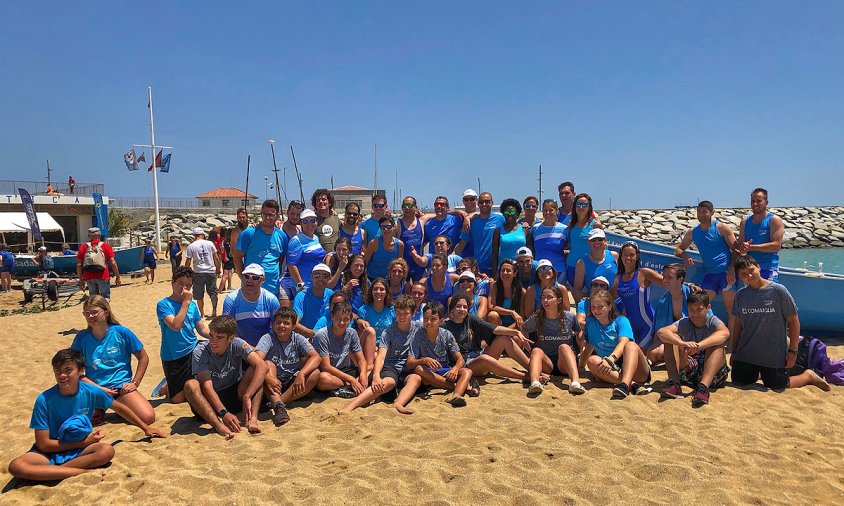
[(42, 248), (307, 213), (544, 263), (198, 231), (470, 193), (253, 269), (94, 231), (524, 251), (596, 233), (322, 267), (468, 274), (600, 279)]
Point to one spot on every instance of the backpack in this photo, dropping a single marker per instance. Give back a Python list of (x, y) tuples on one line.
[(94, 259), (811, 354)]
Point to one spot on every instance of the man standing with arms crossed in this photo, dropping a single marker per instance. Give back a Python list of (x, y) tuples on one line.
[(760, 235)]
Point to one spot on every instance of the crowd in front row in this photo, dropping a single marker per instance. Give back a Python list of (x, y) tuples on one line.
[(360, 310)]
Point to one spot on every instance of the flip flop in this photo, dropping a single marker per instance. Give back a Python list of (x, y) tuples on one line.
[(157, 390)]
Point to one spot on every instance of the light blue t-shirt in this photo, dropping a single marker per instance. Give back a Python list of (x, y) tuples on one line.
[(287, 356), (481, 235), (305, 252), (108, 361), (254, 319), (337, 349), (309, 307), (177, 344), (379, 321), (372, 229), (52, 408), (265, 250), (397, 343), (605, 338), (548, 243), (450, 227), (226, 369)]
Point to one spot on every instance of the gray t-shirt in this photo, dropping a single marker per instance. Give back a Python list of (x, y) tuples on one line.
[(226, 369), (338, 349), (440, 349), (555, 331), (397, 344), (201, 252), (288, 356), (764, 333), (690, 333)]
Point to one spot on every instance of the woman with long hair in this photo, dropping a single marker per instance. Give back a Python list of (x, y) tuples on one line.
[(440, 283), (382, 249), (355, 282), (505, 297), (546, 277), (338, 261), (633, 286), (582, 222), (478, 304), (374, 316)]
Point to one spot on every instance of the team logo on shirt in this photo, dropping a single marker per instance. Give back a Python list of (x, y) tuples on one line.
[(327, 230)]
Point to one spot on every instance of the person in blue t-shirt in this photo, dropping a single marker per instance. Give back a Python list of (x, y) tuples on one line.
[(7, 265), (482, 227), (443, 223), (173, 251), (108, 348), (265, 245), (65, 443), (304, 252), (371, 226), (252, 306), (312, 303), (375, 316), (179, 319)]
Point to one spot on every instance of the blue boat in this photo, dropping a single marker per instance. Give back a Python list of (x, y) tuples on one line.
[(128, 260), (817, 295)]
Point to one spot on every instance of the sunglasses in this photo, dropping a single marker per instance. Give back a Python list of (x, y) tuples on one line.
[(601, 286), (597, 239), (510, 212), (379, 206), (485, 201), (387, 226), (352, 215), (308, 221), (581, 205), (543, 269), (408, 205), (466, 280), (440, 204), (531, 206), (320, 275), (469, 199), (252, 277), (92, 314)]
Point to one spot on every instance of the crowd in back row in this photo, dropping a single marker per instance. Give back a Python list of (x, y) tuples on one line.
[(385, 306)]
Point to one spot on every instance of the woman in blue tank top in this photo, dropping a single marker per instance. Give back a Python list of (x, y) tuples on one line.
[(411, 232), (440, 283), (397, 277), (383, 249), (507, 240), (505, 297), (582, 222), (531, 206), (350, 229), (546, 278), (633, 286), (600, 261)]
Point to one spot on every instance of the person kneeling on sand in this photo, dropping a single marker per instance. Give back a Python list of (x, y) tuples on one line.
[(343, 367), (764, 315), (694, 351), (429, 355), (220, 387), (65, 443), (292, 361), (389, 373)]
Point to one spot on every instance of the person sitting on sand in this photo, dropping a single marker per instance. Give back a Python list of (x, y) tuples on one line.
[(610, 351), (375, 316), (251, 305), (312, 302), (108, 348), (695, 353), (389, 374), (180, 320), (65, 443), (292, 361), (554, 351), (342, 365), (429, 355), (765, 330), (221, 388), (582, 312), (671, 307)]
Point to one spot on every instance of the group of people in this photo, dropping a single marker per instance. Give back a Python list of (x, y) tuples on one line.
[(386, 306)]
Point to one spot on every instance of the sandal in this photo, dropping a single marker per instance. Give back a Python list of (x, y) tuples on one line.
[(280, 416)]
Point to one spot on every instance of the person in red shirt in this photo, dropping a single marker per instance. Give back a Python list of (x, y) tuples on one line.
[(97, 281)]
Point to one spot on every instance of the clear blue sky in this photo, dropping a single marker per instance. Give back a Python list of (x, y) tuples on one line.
[(646, 103)]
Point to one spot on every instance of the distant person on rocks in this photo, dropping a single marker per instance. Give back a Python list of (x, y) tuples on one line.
[(265, 245), (92, 263), (252, 306), (203, 256), (328, 223), (174, 253), (760, 235)]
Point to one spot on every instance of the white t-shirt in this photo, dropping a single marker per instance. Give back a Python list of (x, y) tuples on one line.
[(201, 252)]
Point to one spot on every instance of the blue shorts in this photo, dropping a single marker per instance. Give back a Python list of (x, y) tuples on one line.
[(472, 355), (716, 283), (58, 458), (6, 268), (441, 371), (150, 263)]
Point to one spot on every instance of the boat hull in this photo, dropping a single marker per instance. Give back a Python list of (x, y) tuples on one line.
[(128, 260)]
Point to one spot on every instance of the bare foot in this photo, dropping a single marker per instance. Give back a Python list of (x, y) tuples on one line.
[(403, 409), (816, 380), (253, 428), (223, 431), (544, 378)]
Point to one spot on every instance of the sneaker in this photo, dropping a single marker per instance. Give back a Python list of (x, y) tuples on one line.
[(643, 389), (620, 391), (576, 388), (701, 396), (535, 388), (344, 392), (672, 391), (280, 416)]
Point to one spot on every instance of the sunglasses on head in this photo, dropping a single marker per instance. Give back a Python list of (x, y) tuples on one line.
[(308, 221)]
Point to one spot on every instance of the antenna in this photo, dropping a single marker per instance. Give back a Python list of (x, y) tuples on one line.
[(540, 182)]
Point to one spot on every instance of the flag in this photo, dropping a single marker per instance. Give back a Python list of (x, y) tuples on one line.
[(29, 209), (130, 160), (101, 214), (142, 158), (165, 163), (157, 161)]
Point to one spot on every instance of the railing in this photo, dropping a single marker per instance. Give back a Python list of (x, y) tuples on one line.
[(10, 187), (149, 202)]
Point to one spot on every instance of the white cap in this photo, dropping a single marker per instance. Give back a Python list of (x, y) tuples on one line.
[(198, 231), (253, 269), (600, 279), (322, 267), (544, 263), (468, 274), (596, 233), (307, 213), (524, 251), (42, 248), (470, 193)]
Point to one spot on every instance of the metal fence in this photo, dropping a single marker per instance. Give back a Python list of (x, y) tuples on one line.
[(10, 187), (149, 202)]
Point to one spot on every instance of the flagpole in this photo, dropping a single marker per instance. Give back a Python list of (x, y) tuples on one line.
[(154, 174)]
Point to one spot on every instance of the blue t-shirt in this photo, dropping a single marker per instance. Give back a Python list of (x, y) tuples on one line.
[(305, 252), (338, 349), (309, 307), (379, 321), (397, 343), (450, 227), (265, 250), (52, 408), (372, 229), (108, 361), (481, 233), (287, 356), (452, 259), (548, 243), (444, 346), (177, 344), (605, 338), (254, 319), (226, 369)]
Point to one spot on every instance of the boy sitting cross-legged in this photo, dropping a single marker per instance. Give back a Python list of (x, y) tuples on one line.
[(342, 363), (292, 362), (220, 387), (65, 443)]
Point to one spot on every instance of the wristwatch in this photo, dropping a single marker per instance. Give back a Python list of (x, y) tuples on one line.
[(300, 286), (792, 351), (223, 412)]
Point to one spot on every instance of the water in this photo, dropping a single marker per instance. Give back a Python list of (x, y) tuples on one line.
[(832, 258)]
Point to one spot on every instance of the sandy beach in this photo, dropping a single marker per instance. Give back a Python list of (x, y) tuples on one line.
[(503, 448)]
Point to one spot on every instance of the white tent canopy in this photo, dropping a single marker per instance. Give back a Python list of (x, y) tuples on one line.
[(17, 222)]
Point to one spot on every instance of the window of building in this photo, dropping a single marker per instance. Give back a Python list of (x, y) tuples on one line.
[(225, 203), (206, 203)]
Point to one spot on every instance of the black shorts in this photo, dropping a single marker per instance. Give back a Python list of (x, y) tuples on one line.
[(775, 378), (391, 372), (177, 372), (231, 401), (351, 371), (228, 264)]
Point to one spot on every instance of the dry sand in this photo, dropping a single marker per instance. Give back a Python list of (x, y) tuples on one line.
[(503, 448)]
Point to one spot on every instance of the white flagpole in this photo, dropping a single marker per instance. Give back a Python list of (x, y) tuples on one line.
[(154, 174)]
